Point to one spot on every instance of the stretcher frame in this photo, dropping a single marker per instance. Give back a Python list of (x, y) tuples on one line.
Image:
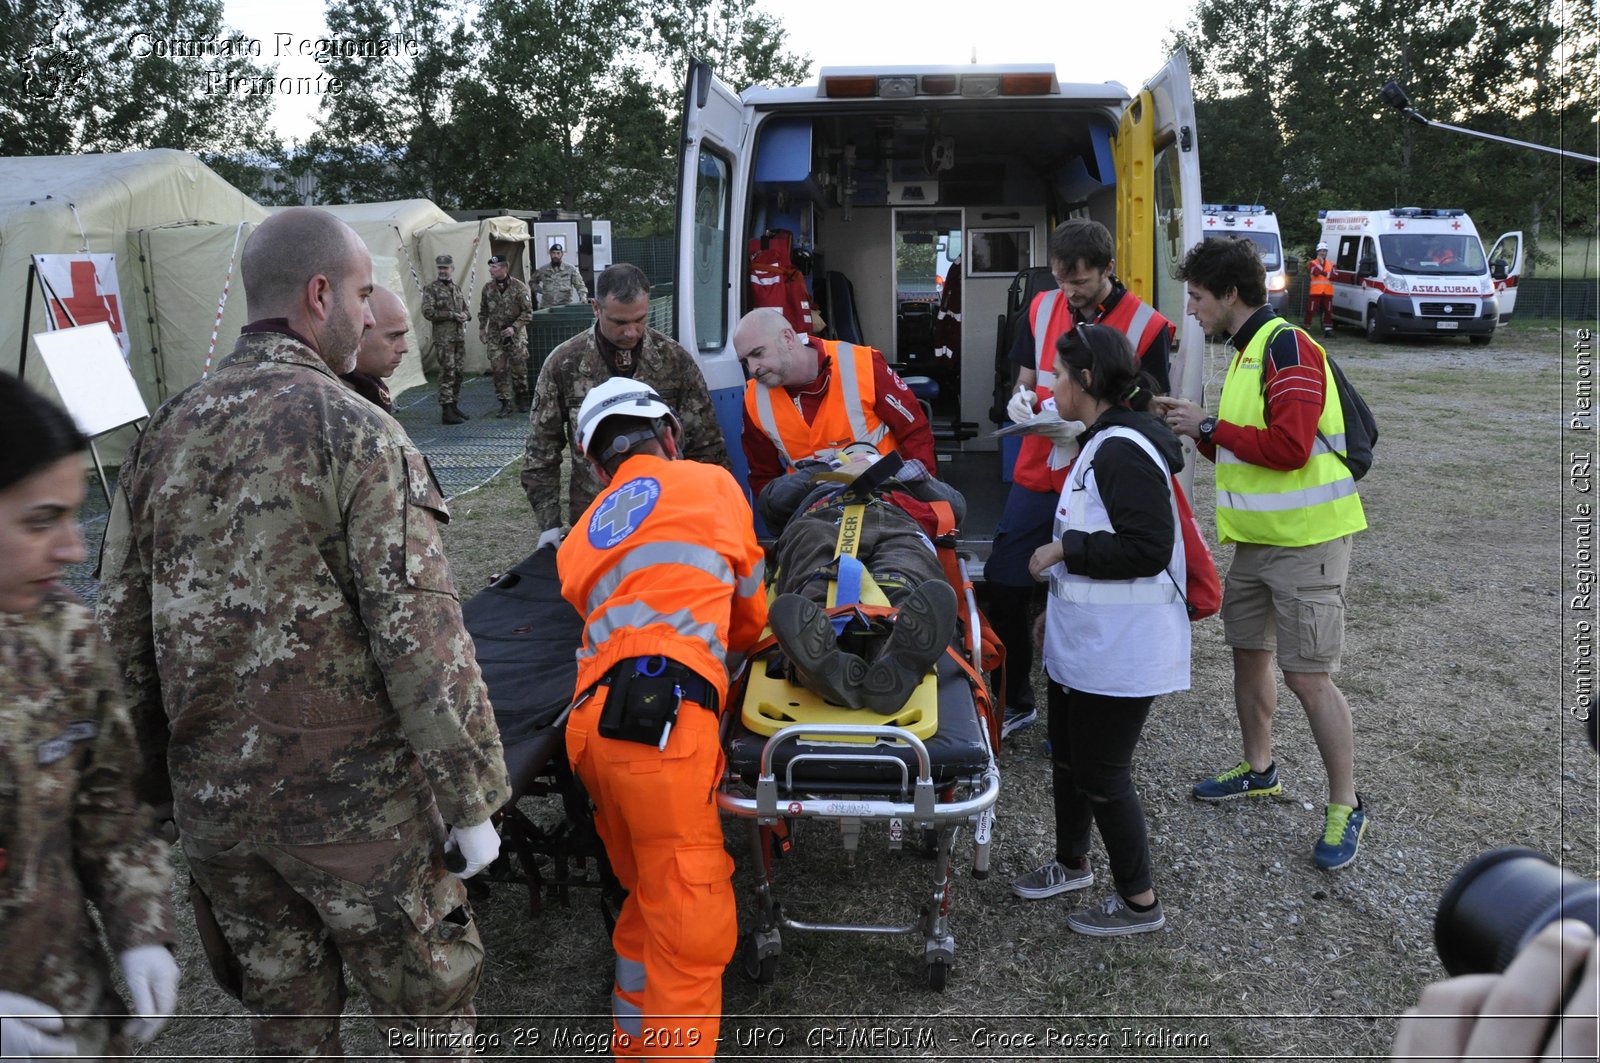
[(917, 806)]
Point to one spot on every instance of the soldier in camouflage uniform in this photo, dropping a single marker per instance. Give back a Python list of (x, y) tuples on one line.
[(446, 306), (621, 343), (504, 311), (72, 831), (276, 592), (559, 284)]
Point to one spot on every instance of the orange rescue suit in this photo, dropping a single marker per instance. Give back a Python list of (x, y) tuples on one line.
[(1321, 276), (664, 562)]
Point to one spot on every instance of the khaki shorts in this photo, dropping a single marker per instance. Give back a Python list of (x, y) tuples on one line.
[(1291, 598)]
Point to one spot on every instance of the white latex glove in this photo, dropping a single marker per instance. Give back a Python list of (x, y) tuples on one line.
[(33, 1031), (550, 537), (478, 846), (152, 976), (1020, 408), (1049, 424)]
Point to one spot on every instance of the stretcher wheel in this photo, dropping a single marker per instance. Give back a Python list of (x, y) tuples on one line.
[(762, 970), (938, 975)]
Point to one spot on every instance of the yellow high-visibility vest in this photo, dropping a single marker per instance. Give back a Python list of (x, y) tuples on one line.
[(1301, 507)]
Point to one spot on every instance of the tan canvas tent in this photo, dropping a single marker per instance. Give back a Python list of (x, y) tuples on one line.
[(471, 243), (170, 221)]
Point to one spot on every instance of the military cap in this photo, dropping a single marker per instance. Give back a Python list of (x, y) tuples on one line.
[(557, 247), (497, 260), (443, 260)]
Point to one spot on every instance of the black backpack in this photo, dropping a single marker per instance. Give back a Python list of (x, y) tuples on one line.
[(1360, 427)]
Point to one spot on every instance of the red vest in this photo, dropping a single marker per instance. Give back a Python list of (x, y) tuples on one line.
[(1132, 316)]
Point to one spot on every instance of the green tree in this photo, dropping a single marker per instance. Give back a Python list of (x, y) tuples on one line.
[(101, 75), (388, 134)]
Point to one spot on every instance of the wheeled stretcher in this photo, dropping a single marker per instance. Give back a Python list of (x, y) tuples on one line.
[(924, 772)]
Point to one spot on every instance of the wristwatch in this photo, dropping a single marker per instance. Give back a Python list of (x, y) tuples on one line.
[(1207, 426)]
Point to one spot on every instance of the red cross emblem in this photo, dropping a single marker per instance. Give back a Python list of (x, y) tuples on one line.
[(85, 305), (1211, 221), (1455, 225), (1399, 225), (1249, 222)]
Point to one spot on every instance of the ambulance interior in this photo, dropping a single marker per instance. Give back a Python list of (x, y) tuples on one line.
[(907, 211)]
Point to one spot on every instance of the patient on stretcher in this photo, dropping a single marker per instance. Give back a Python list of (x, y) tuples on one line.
[(890, 504)]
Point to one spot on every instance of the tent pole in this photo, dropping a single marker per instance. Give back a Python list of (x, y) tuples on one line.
[(27, 311)]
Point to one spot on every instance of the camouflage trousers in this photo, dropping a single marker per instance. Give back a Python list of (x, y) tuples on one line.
[(451, 353), (383, 908), (509, 361), (892, 546)]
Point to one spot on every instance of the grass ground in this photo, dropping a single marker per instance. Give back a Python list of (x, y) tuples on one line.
[(1455, 668)]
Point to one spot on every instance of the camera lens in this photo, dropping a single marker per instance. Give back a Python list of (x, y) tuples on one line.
[(1499, 901)]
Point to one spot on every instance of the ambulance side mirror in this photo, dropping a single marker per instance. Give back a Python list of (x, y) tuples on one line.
[(1499, 269), (1367, 268), (1291, 265)]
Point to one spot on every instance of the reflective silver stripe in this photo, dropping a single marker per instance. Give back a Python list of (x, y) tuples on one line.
[(637, 615), (1041, 321), (1147, 590), (844, 357), (1137, 324), (668, 552), (751, 585), (629, 975), (628, 1016), (1343, 487), (769, 424), (1228, 457)]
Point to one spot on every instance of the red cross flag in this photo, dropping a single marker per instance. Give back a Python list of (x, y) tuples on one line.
[(82, 290)]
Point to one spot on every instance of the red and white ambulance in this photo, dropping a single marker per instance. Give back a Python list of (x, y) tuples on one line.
[(1419, 271)]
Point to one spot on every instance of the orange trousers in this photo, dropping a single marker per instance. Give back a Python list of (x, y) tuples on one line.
[(657, 814)]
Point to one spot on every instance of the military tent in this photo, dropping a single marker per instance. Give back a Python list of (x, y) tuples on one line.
[(175, 228)]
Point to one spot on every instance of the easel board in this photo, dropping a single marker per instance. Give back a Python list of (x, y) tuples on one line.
[(90, 375)]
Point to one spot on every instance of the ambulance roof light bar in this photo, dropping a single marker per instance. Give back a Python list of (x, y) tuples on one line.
[(1395, 96), (1233, 208), (900, 83)]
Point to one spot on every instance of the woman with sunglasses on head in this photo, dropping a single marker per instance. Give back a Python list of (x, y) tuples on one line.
[(1116, 629), (72, 831)]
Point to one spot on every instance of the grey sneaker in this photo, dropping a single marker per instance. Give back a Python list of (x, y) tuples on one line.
[(1051, 878), (1113, 918)]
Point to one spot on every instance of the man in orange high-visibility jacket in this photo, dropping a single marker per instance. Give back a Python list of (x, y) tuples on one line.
[(811, 398), (1319, 296), (665, 568)]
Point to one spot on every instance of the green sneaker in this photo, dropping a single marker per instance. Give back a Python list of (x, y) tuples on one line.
[(1341, 836), (1239, 781)]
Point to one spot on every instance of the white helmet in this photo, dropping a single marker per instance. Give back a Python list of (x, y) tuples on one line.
[(618, 396), (1322, 247)]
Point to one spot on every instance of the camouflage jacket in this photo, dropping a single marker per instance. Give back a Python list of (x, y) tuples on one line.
[(560, 285), (441, 302), (71, 829), (566, 377), (503, 308), (276, 593)]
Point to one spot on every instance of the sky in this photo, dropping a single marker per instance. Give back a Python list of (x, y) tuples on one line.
[(1092, 42)]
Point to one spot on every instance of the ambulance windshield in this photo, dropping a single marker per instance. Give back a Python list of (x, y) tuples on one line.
[(1432, 254), (1266, 245)]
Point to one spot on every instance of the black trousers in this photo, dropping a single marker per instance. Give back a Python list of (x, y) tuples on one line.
[(1092, 738)]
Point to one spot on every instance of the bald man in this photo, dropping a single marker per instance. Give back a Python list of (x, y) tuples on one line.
[(383, 347), (305, 695), (811, 398)]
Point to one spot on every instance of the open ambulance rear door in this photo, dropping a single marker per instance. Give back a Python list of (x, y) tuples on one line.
[(1159, 215), (1507, 251), (710, 202)]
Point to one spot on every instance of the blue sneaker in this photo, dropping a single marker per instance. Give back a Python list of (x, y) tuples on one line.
[(1018, 718), (1239, 781), (1341, 836)]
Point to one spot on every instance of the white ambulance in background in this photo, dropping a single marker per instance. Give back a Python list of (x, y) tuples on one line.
[(1416, 271), (1259, 225)]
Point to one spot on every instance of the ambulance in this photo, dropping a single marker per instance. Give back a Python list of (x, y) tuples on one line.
[(1259, 225), (1419, 271), (872, 170)]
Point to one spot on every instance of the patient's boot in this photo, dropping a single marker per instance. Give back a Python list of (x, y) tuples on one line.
[(807, 639), (922, 632)]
